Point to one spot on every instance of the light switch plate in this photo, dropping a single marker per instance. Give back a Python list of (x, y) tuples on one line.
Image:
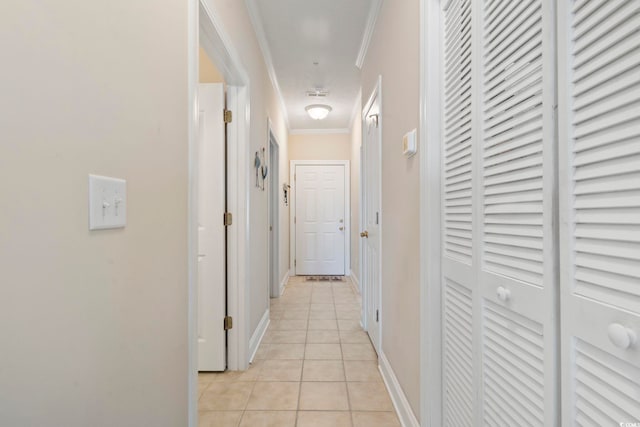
[(409, 144), (107, 202)]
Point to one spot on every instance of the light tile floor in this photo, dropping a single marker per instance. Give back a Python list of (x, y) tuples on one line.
[(315, 368)]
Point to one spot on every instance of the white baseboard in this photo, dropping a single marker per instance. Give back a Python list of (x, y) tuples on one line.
[(400, 402), (284, 281), (355, 281), (257, 336)]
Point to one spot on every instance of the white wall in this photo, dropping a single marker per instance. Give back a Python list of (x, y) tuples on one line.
[(264, 104), (355, 143), (329, 146), (93, 324), (394, 53)]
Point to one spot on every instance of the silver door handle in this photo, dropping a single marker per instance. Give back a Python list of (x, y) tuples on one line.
[(341, 228)]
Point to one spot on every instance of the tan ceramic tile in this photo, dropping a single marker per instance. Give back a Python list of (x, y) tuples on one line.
[(349, 325), (349, 314), (201, 388), (324, 419), (325, 314), (354, 337), (274, 396), (281, 370), (251, 374), (219, 418), (323, 352), (285, 337), (323, 337), (262, 352), (222, 396), (322, 299), (268, 419), (369, 397), (323, 324), (275, 314), (285, 351), (358, 352), (296, 314), (216, 377), (375, 419), (323, 370), (362, 370), (291, 325), (322, 307), (347, 306), (324, 396)]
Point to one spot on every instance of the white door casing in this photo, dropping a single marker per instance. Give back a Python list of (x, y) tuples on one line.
[(211, 229), (274, 215), (499, 234), (320, 219), (371, 253), (599, 116)]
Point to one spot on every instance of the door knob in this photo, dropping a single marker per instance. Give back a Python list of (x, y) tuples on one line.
[(341, 228), (504, 294), (621, 336), (365, 233)]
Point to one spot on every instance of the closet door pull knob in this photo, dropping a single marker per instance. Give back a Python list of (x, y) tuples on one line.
[(503, 293), (621, 336)]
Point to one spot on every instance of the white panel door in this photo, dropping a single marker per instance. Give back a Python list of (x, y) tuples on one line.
[(211, 229), (599, 78), (320, 220), (371, 238)]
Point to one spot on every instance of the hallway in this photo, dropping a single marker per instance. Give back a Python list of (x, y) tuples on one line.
[(315, 367)]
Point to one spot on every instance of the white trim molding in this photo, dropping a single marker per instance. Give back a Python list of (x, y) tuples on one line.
[(355, 282), (258, 335), (431, 70), (376, 5), (398, 398), (284, 281), (318, 131), (254, 15)]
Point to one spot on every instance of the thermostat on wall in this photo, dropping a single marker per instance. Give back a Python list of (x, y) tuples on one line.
[(409, 146)]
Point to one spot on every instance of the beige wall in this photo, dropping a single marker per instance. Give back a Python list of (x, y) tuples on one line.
[(236, 23), (330, 146), (356, 143), (394, 54), (93, 323), (208, 72)]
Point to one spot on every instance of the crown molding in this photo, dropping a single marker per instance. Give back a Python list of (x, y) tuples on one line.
[(376, 5), (317, 131), (258, 29)]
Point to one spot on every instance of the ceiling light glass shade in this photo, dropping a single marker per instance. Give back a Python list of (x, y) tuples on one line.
[(318, 111)]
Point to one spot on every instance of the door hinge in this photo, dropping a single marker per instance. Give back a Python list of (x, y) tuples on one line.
[(377, 315), (228, 116), (294, 219), (228, 219), (377, 218), (295, 262), (228, 322)]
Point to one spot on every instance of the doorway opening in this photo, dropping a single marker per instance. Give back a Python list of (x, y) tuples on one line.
[(274, 217)]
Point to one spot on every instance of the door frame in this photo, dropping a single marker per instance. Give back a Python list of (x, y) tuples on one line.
[(273, 195), (206, 30), (376, 93), (347, 209), (429, 140)]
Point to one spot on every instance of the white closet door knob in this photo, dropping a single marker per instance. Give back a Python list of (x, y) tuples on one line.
[(503, 293), (621, 336)]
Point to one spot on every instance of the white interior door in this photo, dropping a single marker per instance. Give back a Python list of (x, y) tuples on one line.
[(499, 253), (211, 229), (320, 219), (600, 212), (371, 218)]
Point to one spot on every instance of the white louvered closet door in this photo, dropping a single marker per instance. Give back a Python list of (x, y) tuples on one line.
[(499, 181), (516, 214), (599, 107), (459, 281)]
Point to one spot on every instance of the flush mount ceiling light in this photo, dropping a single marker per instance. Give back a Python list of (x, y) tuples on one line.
[(318, 111)]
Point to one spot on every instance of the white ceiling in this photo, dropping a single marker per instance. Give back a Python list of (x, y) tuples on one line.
[(295, 34)]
